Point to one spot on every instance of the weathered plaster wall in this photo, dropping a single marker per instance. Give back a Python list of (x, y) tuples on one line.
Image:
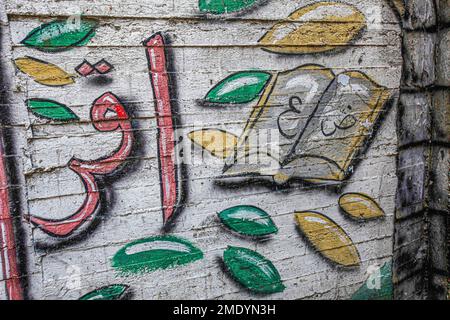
[(203, 50)]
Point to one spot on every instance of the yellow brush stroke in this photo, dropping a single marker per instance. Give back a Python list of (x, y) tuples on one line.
[(257, 112), (360, 206), (379, 97), (43, 72), (314, 35), (219, 143), (328, 238)]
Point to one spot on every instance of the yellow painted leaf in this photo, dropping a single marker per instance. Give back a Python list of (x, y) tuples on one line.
[(43, 72), (219, 143), (360, 206), (328, 238), (319, 27)]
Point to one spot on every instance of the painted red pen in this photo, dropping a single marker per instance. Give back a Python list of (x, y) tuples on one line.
[(10, 268), (166, 117)]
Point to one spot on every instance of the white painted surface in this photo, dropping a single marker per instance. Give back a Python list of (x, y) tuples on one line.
[(205, 52)]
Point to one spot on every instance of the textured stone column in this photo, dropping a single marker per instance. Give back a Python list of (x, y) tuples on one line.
[(421, 226)]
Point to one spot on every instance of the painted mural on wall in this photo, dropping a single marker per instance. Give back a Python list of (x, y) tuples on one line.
[(228, 6), (169, 153), (324, 120), (320, 27), (107, 114)]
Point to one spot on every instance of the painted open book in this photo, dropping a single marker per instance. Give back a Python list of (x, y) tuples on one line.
[(309, 124)]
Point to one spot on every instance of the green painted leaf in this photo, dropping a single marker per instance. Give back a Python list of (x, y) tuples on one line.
[(60, 35), (224, 6), (112, 292), (49, 109), (160, 252), (378, 286), (252, 270), (241, 87), (248, 221)]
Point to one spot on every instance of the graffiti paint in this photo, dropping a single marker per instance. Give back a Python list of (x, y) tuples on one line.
[(169, 150), (241, 87), (60, 35), (304, 84), (85, 68), (111, 292), (248, 221), (252, 270), (103, 67), (378, 286), (296, 104), (345, 119), (43, 72), (52, 110), (225, 6), (102, 120), (159, 252), (219, 143), (324, 122), (10, 267), (318, 27), (360, 206), (328, 238)]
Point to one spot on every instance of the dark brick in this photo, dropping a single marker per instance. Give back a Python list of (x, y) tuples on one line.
[(420, 14), (410, 289), (411, 172), (438, 227), (438, 184), (440, 115), (419, 68), (414, 118), (410, 248)]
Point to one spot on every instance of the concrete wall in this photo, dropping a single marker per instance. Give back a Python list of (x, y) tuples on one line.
[(319, 250)]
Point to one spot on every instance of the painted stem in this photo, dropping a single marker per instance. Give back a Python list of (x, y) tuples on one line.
[(87, 169), (170, 174), (10, 268)]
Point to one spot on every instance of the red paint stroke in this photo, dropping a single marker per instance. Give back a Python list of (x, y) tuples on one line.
[(107, 114), (103, 67), (86, 68), (169, 174), (10, 268)]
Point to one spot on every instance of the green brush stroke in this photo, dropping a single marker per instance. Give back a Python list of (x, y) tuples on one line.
[(386, 289), (248, 221), (224, 6), (161, 252), (112, 292), (60, 35), (50, 109), (252, 270), (241, 87)]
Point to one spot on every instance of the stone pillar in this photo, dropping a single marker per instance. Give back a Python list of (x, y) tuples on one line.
[(421, 221)]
